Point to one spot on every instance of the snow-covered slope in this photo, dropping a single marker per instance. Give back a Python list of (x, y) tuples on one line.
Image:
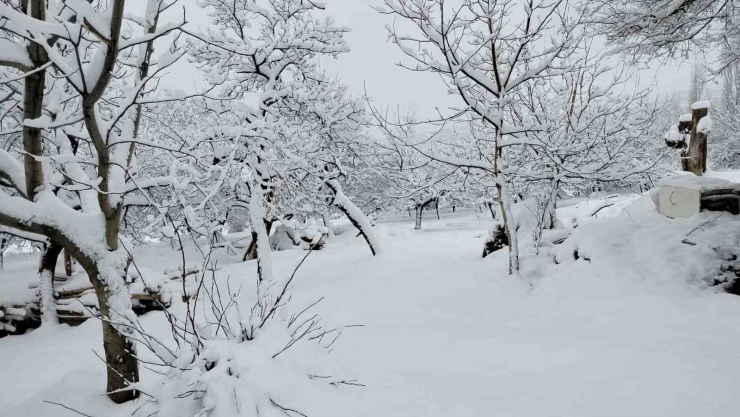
[(632, 331)]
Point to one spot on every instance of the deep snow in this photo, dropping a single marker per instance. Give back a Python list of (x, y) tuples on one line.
[(629, 332)]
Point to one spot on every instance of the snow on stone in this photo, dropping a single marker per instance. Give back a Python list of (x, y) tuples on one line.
[(701, 183)]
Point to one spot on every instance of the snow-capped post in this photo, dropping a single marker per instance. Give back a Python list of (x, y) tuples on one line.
[(701, 124), (355, 215), (690, 136)]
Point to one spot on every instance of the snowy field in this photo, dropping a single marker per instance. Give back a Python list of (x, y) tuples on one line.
[(627, 329)]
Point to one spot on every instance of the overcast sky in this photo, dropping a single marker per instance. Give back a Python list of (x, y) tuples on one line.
[(373, 62)]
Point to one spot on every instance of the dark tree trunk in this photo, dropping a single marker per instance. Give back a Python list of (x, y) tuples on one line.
[(50, 257), (33, 104), (123, 367), (251, 253), (2, 251), (493, 212), (418, 210), (47, 267), (69, 267), (120, 350), (436, 206)]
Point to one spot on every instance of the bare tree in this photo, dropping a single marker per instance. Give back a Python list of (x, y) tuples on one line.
[(486, 59)]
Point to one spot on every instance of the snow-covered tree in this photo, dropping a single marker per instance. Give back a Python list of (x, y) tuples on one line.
[(650, 29), (542, 116), (84, 79), (725, 143), (486, 59), (411, 181), (258, 55)]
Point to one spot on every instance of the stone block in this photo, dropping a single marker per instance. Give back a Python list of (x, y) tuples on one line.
[(678, 202), (684, 196)]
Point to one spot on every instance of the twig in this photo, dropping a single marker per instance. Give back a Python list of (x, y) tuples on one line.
[(68, 408), (285, 289), (285, 410), (600, 208), (705, 223)]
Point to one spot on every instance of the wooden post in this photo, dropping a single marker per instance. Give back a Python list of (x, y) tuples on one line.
[(697, 151)]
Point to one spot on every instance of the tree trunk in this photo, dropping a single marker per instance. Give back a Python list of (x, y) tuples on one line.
[(260, 244), (120, 350), (47, 267), (327, 223), (490, 208), (419, 213), (251, 253), (503, 195), (268, 219), (69, 266), (355, 216), (2, 251), (697, 152), (509, 224), (436, 206), (33, 104)]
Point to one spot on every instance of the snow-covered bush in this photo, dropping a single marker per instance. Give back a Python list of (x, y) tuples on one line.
[(237, 361), (286, 366)]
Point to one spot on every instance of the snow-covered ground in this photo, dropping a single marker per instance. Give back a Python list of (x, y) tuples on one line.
[(629, 328)]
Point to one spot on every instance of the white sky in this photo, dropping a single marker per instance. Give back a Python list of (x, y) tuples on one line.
[(373, 60)]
